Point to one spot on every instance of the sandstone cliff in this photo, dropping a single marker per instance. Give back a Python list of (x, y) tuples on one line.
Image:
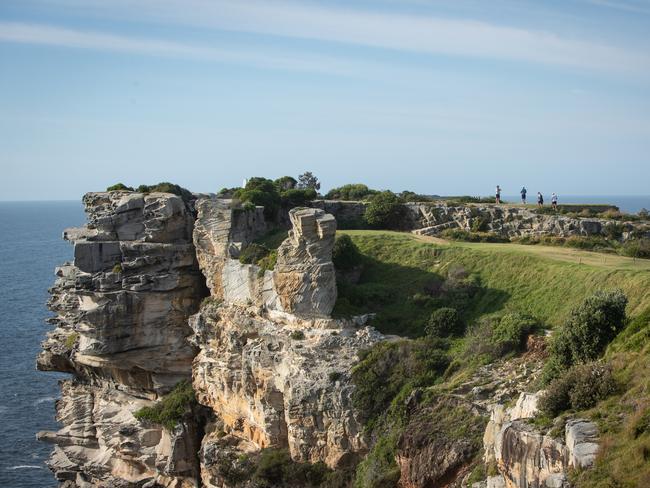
[(121, 326), (269, 366)]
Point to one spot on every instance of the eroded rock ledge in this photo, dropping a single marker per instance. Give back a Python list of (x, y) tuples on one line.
[(121, 326)]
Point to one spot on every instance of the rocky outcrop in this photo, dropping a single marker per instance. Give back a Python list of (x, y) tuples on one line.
[(431, 218), (121, 326), (303, 280), (272, 365), (529, 458)]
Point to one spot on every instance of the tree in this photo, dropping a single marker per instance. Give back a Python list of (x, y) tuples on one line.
[(261, 191), (285, 183), (385, 211), (308, 180)]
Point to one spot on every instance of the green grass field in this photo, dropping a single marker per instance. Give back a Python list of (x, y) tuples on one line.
[(400, 279), (546, 282)]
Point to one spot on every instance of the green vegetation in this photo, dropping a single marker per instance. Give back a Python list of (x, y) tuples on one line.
[(580, 388), (475, 236), (345, 254), (444, 322), (297, 335), (119, 187), (117, 268), (171, 409), (275, 468), (166, 187), (354, 191), (498, 294), (71, 340), (272, 195), (587, 332), (385, 211)]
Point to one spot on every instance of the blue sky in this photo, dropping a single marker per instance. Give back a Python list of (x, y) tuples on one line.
[(445, 97)]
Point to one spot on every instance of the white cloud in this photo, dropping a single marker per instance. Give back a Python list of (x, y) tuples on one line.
[(56, 36), (387, 30)]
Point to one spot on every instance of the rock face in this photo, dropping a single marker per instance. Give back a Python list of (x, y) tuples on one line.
[(303, 281), (121, 326), (526, 457), (304, 277), (272, 365), (508, 221)]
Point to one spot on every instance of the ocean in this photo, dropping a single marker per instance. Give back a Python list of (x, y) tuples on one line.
[(626, 203), (30, 248)]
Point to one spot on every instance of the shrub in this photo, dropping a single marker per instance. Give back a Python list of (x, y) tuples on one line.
[(253, 253), (297, 335), (354, 191), (637, 248), (119, 187), (334, 376), (589, 329), (444, 322), (117, 268), (261, 191), (285, 183), (345, 253), (511, 331), (267, 263), (388, 367), (276, 468), (466, 236), (171, 409), (580, 388), (643, 213), (166, 187), (71, 340), (385, 211), (297, 197)]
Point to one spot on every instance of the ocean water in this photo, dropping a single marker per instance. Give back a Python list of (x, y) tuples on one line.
[(30, 248)]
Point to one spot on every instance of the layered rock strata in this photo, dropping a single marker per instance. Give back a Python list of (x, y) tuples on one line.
[(121, 326), (272, 365), (526, 457), (508, 221)]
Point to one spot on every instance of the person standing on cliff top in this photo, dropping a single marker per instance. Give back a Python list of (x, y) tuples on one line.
[(498, 195), (523, 195), (540, 199), (554, 201)]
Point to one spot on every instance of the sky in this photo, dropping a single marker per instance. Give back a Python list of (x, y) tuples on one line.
[(439, 97)]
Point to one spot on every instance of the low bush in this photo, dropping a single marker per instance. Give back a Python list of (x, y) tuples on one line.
[(276, 468), (580, 388), (636, 248), (171, 408), (510, 332), (297, 335), (444, 322), (71, 340), (253, 253), (467, 236), (166, 187), (385, 211), (353, 191), (388, 367), (119, 187), (589, 329), (345, 254)]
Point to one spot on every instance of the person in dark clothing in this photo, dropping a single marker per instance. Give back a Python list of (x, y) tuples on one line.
[(540, 199), (523, 195), (498, 194)]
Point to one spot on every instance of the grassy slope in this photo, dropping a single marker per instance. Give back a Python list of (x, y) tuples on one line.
[(546, 282), (539, 280)]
